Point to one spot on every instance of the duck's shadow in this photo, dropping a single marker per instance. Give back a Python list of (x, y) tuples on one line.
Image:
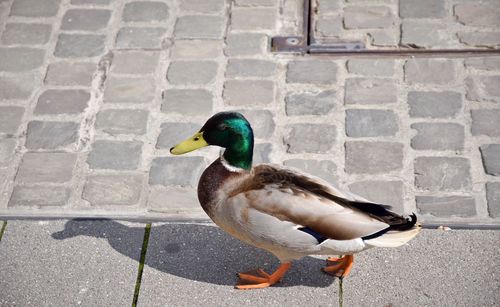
[(197, 252)]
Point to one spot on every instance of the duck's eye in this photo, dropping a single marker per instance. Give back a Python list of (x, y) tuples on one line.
[(196, 138)]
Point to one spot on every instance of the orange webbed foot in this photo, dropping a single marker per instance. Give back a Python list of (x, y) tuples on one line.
[(339, 267), (258, 279)]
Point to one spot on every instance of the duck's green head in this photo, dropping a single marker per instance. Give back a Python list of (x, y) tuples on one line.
[(229, 130)]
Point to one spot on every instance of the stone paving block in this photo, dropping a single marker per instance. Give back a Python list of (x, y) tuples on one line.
[(480, 39), (176, 171), (18, 86), (135, 62), (442, 173), (39, 196), (248, 92), (310, 103), (434, 104), (330, 26), (145, 11), (262, 153), (461, 206), (491, 158), (192, 72), (373, 157), (368, 17), (417, 33), (173, 133), (69, 263), (478, 13), (196, 49), (199, 26), (140, 38), (369, 67), (324, 169), (484, 63), (381, 192), (262, 122), (62, 102), (493, 197), (91, 2), (206, 7), (117, 155), (79, 45), (243, 44), (369, 123), (35, 8), (7, 147), (37, 167), (328, 7), (422, 9), (129, 89), (51, 135), (26, 33), (113, 190), (66, 73), (430, 71), (122, 121), (174, 200), (438, 136), (255, 2), (312, 71), (250, 68), (485, 122), (85, 19), (252, 19), (490, 88), (370, 91), (187, 102), (384, 37), (310, 138), (18, 59), (10, 119)]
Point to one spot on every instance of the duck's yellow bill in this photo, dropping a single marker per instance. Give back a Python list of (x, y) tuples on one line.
[(193, 143)]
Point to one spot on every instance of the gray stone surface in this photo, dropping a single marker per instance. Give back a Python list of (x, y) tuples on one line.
[(422, 9), (62, 102), (51, 135), (69, 262), (173, 133), (7, 147), (262, 122), (312, 71), (85, 19), (118, 155), (262, 153), (192, 72), (308, 103), (176, 171), (39, 196), (250, 68), (385, 38), (207, 6), (329, 27), (373, 157), (369, 123), (35, 8), (493, 198), (251, 19), (18, 86), (370, 91), (37, 167), (438, 136), (434, 104), (310, 138), (91, 2), (145, 11), (140, 38), (129, 89), (485, 122), (479, 39), (369, 67), (248, 92), (134, 62), (491, 158), (485, 13), (240, 44), (196, 49), (10, 119), (255, 3), (484, 88), (199, 26), (26, 33), (461, 206), (18, 59), (381, 192), (442, 173), (424, 34), (324, 169), (485, 63), (122, 121), (113, 190), (368, 17), (430, 71), (174, 200), (79, 45), (66, 73), (187, 101)]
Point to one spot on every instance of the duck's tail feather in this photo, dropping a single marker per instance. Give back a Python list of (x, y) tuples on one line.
[(394, 238)]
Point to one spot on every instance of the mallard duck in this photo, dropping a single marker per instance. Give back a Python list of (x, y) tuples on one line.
[(284, 211)]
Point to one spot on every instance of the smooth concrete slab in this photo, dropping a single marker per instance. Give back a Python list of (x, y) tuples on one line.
[(196, 265), (68, 263)]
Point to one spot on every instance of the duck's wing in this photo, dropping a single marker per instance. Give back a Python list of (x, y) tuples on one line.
[(290, 195)]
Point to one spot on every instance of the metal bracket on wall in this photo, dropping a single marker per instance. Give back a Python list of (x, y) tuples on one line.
[(307, 43)]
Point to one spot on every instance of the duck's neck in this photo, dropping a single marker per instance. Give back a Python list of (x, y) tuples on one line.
[(239, 155)]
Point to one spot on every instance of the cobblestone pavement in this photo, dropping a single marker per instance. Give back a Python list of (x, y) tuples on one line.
[(93, 93)]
